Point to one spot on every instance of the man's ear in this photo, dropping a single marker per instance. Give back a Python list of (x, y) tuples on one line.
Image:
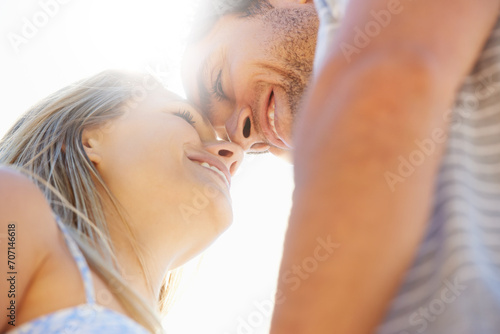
[(91, 141)]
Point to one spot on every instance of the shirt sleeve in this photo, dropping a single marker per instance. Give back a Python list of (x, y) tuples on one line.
[(330, 13)]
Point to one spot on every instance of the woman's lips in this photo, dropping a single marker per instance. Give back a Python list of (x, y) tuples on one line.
[(214, 165), (217, 170)]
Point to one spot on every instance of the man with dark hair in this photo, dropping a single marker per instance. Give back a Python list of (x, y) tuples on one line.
[(395, 225), (270, 70)]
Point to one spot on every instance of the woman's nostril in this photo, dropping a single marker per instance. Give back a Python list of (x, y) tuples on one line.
[(225, 153), (232, 168), (247, 128)]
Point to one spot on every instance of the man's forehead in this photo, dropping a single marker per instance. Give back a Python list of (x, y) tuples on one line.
[(199, 52), (193, 62)]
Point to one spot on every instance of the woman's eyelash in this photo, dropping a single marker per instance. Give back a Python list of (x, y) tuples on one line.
[(186, 115)]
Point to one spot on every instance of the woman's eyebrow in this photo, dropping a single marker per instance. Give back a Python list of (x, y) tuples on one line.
[(205, 119)]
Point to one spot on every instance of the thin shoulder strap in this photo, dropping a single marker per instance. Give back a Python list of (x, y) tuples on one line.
[(80, 261)]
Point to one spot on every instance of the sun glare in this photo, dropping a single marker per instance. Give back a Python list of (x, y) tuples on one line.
[(47, 44)]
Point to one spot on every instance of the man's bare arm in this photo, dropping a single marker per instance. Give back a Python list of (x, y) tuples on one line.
[(362, 114)]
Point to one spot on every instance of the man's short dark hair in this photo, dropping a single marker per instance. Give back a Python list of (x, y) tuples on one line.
[(210, 11)]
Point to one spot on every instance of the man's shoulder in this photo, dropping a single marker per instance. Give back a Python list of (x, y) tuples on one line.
[(335, 8)]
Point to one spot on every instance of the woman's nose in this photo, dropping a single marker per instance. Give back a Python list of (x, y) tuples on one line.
[(229, 153)]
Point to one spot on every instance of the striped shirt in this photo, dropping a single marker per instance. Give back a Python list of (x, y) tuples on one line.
[(453, 285)]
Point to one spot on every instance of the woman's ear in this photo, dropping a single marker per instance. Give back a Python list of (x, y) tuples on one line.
[(92, 140)]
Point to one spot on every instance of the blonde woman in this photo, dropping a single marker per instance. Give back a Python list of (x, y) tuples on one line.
[(114, 182)]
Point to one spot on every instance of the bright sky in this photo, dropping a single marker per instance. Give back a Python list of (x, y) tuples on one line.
[(48, 44)]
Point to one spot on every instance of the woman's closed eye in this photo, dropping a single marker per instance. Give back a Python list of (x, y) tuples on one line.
[(197, 120), (186, 115)]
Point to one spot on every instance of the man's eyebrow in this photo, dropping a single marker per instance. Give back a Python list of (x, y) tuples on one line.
[(203, 93)]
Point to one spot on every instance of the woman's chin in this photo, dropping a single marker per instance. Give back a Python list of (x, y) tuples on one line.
[(206, 233), (223, 217)]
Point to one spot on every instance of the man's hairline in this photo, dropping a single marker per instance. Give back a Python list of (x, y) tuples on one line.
[(247, 12)]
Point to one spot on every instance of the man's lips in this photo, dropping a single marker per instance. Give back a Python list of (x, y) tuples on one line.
[(213, 164), (269, 121)]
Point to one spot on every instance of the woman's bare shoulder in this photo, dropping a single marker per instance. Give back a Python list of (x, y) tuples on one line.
[(28, 232), (23, 203), (20, 197)]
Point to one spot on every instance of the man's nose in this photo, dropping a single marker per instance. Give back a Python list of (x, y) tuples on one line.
[(229, 153), (241, 129)]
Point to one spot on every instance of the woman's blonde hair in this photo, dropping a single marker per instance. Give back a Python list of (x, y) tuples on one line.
[(46, 144)]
